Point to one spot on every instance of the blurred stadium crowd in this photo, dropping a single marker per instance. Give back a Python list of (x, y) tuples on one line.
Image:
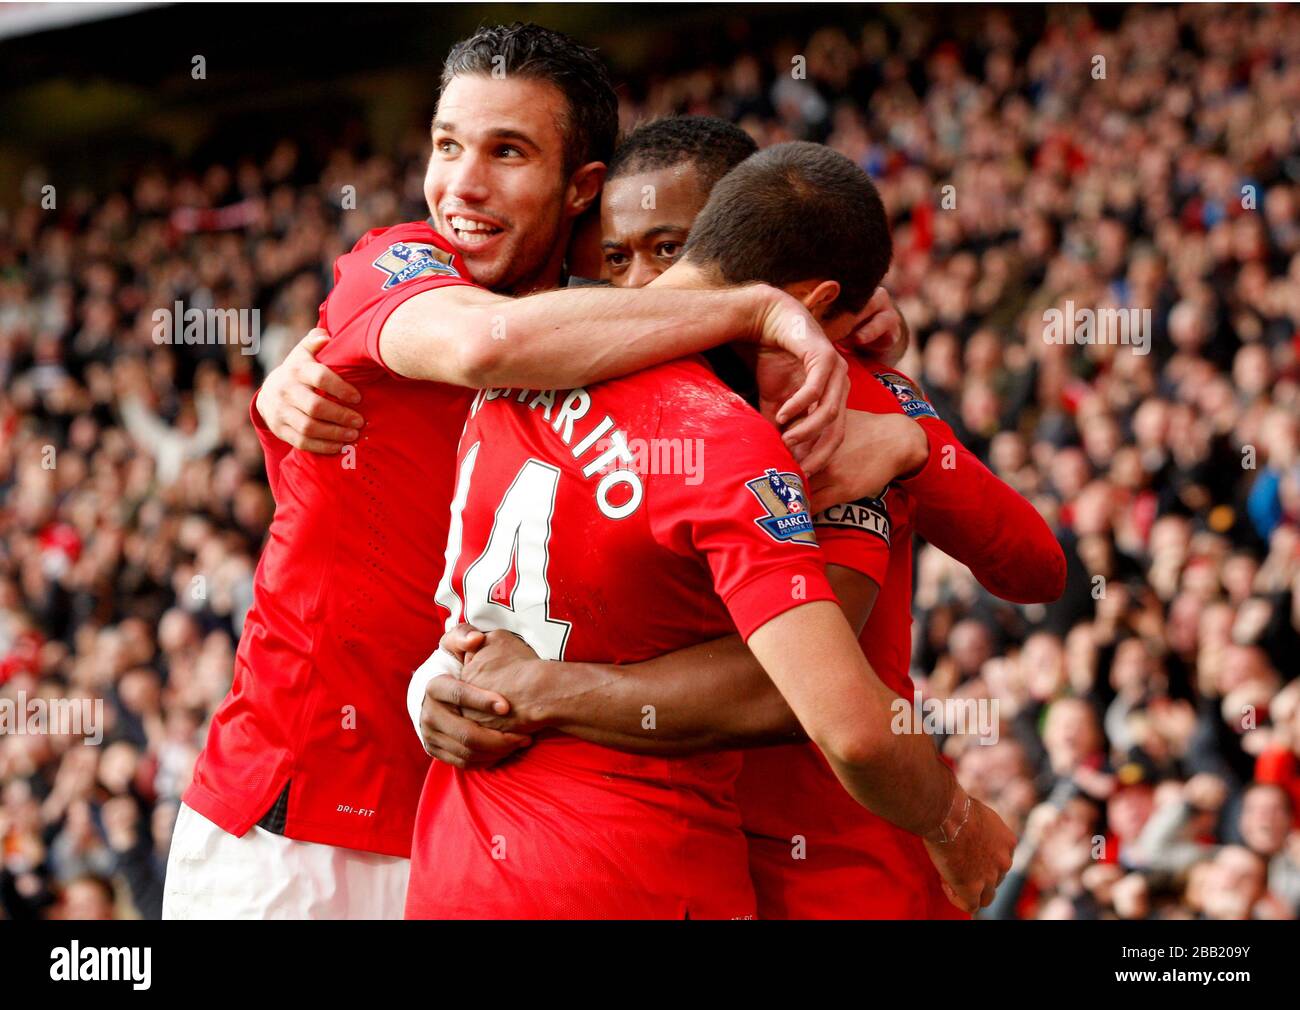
[(1150, 732)]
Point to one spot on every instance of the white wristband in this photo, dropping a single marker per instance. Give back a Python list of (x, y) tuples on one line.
[(440, 664)]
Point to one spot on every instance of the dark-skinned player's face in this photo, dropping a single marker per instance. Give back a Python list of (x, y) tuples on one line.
[(496, 183), (644, 221)]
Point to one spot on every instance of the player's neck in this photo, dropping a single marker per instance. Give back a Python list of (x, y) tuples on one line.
[(547, 277)]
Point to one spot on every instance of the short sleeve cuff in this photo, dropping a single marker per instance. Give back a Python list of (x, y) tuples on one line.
[(862, 552), (385, 308), (770, 594)]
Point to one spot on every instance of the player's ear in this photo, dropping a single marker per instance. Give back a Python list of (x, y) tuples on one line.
[(819, 296), (584, 187)]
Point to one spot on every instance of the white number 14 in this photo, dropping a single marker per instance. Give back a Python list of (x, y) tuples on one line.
[(518, 545)]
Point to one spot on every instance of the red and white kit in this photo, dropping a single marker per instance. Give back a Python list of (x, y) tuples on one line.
[(587, 561), (315, 722)]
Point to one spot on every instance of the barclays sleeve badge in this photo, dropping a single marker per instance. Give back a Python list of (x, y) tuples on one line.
[(788, 518), (909, 397), (404, 261)]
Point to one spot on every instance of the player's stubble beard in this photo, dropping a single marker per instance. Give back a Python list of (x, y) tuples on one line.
[(530, 258)]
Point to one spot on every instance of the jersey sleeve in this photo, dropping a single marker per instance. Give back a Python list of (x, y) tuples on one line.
[(273, 450), (969, 514), (383, 271), (857, 535), (749, 521)]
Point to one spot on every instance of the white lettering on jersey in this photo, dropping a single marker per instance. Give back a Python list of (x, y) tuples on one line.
[(574, 408), (546, 397), (610, 445), (591, 437), (618, 449), (635, 493)]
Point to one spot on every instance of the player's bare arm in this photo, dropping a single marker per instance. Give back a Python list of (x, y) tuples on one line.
[(298, 399), (574, 337), (302, 401), (845, 709), (713, 696), (560, 339)]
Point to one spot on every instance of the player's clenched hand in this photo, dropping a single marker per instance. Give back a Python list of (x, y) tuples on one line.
[(506, 665), (501, 665), (883, 334), (298, 401), (449, 736), (803, 382), (877, 449), (977, 856)]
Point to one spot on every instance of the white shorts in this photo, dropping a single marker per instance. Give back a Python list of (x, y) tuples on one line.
[(212, 874)]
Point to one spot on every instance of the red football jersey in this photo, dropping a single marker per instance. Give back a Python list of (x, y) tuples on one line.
[(610, 524), (343, 608), (815, 853)]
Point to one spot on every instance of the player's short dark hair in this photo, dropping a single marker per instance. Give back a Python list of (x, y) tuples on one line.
[(714, 146), (795, 212), (532, 52)]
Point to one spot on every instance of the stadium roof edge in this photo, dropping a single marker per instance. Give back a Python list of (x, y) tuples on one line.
[(18, 19)]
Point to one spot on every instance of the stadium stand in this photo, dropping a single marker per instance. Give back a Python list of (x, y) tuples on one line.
[(1148, 749)]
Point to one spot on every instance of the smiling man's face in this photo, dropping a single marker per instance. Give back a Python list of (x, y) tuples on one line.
[(496, 182)]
